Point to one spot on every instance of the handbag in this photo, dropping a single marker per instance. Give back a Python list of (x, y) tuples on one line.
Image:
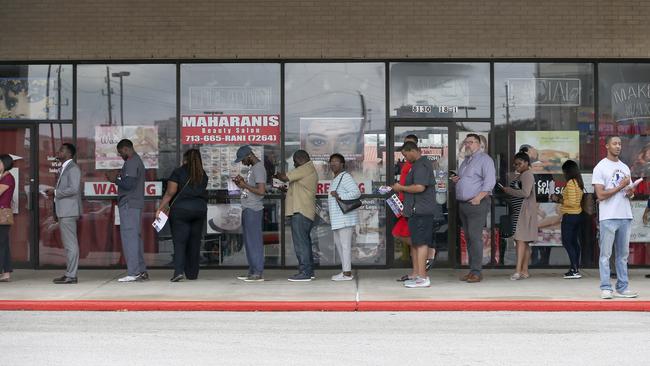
[(347, 205), (6, 216)]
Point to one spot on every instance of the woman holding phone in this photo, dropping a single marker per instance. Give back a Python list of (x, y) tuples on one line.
[(524, 213)]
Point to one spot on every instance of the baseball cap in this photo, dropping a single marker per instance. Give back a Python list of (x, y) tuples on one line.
[(243, 152)]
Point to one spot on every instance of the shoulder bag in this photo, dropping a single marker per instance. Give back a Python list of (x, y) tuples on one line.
[(6, 215), (347, 205)]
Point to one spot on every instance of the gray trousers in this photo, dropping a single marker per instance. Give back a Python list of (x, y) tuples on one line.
[(473, 220), (68, 229), (132, 243)]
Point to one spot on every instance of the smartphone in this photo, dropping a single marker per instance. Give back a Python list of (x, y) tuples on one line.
[(452, 173), (499, 185)]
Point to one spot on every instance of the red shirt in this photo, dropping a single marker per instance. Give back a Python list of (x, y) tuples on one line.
[(5, 198), (406, 168)]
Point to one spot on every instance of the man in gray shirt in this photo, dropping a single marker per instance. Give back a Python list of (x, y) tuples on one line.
[(420, 208), (253, 189), (474, 183), (130, 201)]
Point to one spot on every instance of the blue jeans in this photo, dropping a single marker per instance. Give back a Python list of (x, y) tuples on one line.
[(616, 233), (253, 240), (300, 234)]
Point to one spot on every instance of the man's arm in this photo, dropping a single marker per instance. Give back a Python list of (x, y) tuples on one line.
[(604, 194)]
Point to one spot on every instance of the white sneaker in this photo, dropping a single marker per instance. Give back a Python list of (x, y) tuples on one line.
[(128, 279), (418, 283), (626, 294), (342, 277), (606, 294)]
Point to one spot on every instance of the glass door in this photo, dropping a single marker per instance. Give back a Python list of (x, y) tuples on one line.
[(435, 144), (17, 142)]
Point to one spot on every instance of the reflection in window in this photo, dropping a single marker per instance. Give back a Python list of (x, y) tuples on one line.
[(440, 90), (338, 108), (368, 243), (36, 92)]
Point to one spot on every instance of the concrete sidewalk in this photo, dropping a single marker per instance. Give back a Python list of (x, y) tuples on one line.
[(371, 290)]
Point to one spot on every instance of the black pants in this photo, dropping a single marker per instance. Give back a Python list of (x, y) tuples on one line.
[(570, 228), (187, 232), (5, 251)]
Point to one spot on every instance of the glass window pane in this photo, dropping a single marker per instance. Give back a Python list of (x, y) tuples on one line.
[(439, 90), (546, 109), (338, 108), (137, 102), (624, 107), (41, 92)]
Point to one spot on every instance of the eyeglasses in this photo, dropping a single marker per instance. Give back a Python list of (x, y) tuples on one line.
[(469, 142)]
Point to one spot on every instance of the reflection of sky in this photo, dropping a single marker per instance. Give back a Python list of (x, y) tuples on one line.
[(149, 95), (505, 71)]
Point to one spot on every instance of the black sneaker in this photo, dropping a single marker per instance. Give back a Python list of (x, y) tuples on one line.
[(572, 274), (143, 276)]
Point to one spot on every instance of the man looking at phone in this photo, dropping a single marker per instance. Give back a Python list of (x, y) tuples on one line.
[(474, 182)]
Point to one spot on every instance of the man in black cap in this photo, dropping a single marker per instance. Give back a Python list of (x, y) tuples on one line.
[(253, 189)]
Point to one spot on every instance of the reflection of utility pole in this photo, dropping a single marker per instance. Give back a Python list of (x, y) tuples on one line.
[(108, 93), (121, 75)]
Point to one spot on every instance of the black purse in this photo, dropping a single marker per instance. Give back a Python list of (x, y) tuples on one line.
[(347, 205)]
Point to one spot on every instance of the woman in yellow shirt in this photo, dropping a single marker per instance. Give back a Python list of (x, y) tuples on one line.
[(571, 209)]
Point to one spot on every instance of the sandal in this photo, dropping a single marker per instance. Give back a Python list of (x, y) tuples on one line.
[(525, 275), (516, 276), (404, 278)]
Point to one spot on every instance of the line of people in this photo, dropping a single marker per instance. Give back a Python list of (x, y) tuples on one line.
[(185, 201)]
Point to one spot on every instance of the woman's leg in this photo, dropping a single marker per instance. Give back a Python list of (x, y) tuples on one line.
[(180, 237), (337, 244), (193, 254), (345, 237), (5, 252), (521, 247), (527, 254)]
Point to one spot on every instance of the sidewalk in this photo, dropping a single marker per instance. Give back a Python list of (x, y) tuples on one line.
[(372, 290)]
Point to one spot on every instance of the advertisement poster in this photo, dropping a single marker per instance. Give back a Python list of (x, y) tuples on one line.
[(25, 98), (549, 220), (230, 129), (145, 143), (438, 90), (548, 150), (631, 101), (218, 164), (640, 232), (461, 147), (224, 218), (324, 136)]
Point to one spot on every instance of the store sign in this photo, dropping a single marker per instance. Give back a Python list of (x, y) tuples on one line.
[(95, 189), (216, 98), (630, 100), (230, 129), (544, 92)]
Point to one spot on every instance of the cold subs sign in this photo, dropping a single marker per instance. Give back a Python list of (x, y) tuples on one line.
[(230, 129)]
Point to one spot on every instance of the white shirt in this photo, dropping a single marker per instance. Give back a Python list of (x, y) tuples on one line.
[(65, 164), (609, 174)]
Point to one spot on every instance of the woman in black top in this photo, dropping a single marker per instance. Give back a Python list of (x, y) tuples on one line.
[(187, 192)]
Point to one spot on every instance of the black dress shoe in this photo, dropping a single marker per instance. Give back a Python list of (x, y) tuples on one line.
[(65, 280), (177, 278), (143, 276)]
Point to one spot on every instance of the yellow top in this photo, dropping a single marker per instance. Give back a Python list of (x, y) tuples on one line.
[(301, 196), (571, 198)]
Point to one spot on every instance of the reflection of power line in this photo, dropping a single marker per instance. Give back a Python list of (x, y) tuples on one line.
[(109, 91), (121, 75)]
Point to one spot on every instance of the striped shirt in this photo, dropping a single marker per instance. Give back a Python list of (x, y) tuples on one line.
[(571, 198), (347, 189)]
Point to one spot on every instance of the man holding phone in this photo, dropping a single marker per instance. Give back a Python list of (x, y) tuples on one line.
[(474, 182)]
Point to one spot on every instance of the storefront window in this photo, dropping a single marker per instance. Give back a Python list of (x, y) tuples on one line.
[(548, 110), (223, 107), (137, 102), (624, 106), (439, 90), (35, 92), (339, 108)]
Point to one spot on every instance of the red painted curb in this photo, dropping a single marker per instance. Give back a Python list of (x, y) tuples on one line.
[(347, 306)]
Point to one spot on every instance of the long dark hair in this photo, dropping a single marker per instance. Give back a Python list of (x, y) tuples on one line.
[(571, 171), (192, 159)]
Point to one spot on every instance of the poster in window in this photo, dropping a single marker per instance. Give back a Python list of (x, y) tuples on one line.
[(26, 98), (145, 143), (548, 150)]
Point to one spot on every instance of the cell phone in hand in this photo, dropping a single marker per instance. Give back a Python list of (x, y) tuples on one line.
[(452, 173)]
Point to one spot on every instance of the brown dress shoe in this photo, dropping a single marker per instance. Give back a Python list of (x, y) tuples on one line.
[(465, 277), (472, 278)]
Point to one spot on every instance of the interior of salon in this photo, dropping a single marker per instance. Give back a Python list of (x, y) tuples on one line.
[(558, 110)]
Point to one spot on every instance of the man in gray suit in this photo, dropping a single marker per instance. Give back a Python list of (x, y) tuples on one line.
[(67, 203), (130, 201)]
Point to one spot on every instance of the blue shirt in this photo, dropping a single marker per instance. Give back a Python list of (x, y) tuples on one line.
[(477, 174)]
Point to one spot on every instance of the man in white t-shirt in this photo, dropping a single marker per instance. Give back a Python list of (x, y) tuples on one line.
[(611, 181)]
